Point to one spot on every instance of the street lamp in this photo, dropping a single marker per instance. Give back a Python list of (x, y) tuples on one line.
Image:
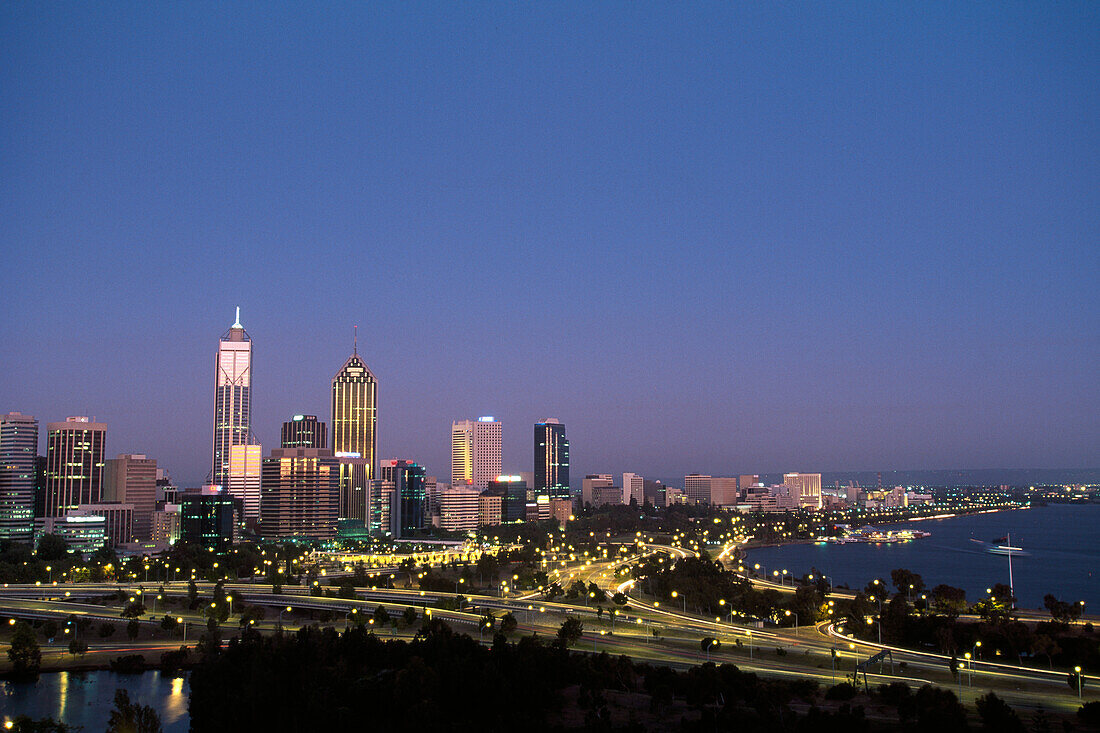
[(969, 676), (713, 642), (788, 613), (281, 610), (749, 634), (1078, 671)]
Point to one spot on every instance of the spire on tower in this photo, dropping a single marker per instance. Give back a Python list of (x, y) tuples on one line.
[(237, 322), (355, 341)]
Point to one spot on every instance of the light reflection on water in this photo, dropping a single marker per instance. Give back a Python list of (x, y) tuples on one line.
[(86, 699)]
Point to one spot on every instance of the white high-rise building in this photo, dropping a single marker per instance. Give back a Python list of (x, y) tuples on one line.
[(633, 488), (245, 471), (475, 452), (232, 398), (18, 449)]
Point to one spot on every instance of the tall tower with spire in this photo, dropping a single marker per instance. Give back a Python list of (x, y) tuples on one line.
[(354, 437), (232, 398)]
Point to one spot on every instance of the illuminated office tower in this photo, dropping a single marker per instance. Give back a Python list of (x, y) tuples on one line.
[(300, 493), (18, 454), (354, 438), (245, 470), (132, 479), (475, 452), (809, 488), (74, 464), (304, 431), (232, 398), (551, 460)]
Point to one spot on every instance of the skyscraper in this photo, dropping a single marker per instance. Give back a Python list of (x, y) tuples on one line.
[(18, 451), (132, 479), (809, 488), (74, 464), (551, 459), (232, 398), (354, 434), (245, 466), (407, 511), (697, 488), (633, 488), (475, 452), (301, 493), (304, 431)]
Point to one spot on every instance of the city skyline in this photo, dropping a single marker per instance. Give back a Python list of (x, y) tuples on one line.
[(723, 240)]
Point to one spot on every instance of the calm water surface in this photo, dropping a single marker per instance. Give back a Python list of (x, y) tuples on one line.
[(1063, 542), (87, 699)]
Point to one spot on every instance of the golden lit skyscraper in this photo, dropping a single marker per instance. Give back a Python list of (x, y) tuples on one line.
[(354, 439), (74, 464), (232, 398)]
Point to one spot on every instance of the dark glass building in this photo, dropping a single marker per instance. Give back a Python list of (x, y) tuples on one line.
[(551, 459), (514, 492), (304, 431), (407, 480), (206, 519)]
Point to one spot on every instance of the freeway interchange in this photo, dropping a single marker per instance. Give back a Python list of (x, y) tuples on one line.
[(642, 628)]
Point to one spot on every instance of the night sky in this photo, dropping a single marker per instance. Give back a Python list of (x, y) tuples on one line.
[(728, 237)]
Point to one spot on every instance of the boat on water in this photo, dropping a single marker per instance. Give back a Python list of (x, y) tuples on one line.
[(1001, 547)]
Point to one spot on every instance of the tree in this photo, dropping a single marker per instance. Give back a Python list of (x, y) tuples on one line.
[(52, 547), (106, 630), (570, 631), (50, 629), (25, 656), (131, 717), (76, 646), (381, 616), (508, 623), (948, 600), (997, 716), (619, 599), (409, 616), (347, 591), (134, 609), (133, 626), (192, 595), (909, 584), (169, 622)]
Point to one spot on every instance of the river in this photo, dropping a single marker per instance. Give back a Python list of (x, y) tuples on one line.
[(86, 699), (1062, 542)]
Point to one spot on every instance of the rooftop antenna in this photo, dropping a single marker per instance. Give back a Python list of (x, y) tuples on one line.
[(237, 323), (355, 341)]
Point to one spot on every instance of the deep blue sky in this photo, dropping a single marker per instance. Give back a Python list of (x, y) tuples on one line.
[(729, 237)]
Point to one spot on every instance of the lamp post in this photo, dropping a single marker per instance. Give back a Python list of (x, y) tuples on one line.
[(1078, 671), (749, 634), (788, 613), (281, 610)]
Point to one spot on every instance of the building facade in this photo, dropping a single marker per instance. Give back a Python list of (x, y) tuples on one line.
[(633, 488), (407, 480), (18, 453), (809, 488), (475, 452), (300, 493), (132, 479), (551, 459), (232, 398), (245, 468), (74, 464), (207, 518), (459, 509), (304, 431)]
